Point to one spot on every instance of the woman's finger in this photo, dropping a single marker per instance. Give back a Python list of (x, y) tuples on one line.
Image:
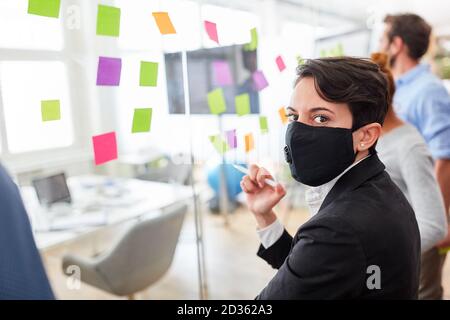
[(261, 176), (249, 185)]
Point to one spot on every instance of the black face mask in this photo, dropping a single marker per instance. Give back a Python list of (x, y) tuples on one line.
[(317, 155)]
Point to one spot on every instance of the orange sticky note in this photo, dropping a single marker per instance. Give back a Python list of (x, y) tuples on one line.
[(164, 23), (282, 113), (249, 142)]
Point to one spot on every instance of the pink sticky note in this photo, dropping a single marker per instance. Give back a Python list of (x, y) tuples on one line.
[(259, 80), (222, 73), (231, 138), (211, 30), (108, 72), (105, 147), (280, 63)]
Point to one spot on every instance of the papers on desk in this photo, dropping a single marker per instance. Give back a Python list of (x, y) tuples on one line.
[(73, 222)]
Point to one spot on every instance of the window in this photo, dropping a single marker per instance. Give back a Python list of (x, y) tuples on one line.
[(24, 85), (20, 30)]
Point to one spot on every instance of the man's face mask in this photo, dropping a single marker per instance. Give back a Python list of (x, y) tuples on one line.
[(317, 155)]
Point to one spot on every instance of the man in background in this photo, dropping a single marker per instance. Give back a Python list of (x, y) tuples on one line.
[(422, 100), (22, 274)]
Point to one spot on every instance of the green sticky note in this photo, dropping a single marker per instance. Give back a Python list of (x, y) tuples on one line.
[(142, 120), (242, 102), (50, 110), (263, 124), (216, 101), (340, 49), (149, 74), (108, 21), (253, 44), (219, 144), (46, 8)]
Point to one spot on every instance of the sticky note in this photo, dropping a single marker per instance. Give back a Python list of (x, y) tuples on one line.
[(444, 250), (259, 80), (219, 144), (283, 117), (142, 120), (46, 8), (222, 73), (164, 23), (280, 63), (211, 30), (149, 74), (249, 142), (339, 50), (263, 124), (50, 110), (253, 44), (242, 102), (300, 60), (231, 138), (216, 101), (108, 21), (105, 147), (108, 72)]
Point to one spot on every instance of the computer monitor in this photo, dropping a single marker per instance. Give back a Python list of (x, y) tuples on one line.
[(201, 78), (52, 189)]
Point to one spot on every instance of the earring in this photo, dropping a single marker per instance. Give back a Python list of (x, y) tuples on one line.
[(362, 145)]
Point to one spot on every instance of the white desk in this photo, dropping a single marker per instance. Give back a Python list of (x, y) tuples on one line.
[(137, 198)]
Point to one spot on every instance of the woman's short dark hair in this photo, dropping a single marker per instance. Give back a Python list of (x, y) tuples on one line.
[(358, 82)]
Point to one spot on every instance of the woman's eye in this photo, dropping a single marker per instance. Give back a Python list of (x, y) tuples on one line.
[(320, 119), (292, 117)]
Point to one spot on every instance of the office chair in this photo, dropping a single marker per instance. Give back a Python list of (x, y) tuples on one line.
[(139, 258)]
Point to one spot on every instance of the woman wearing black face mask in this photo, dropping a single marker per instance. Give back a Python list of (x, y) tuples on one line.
[(362, 241)]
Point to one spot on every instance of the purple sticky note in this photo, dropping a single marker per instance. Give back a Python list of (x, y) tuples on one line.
[(222, 73), (231, 138), (259, 80), (108, 72)]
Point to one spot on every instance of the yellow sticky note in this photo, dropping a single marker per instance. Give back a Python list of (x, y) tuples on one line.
[(216, 101), (164, 23), (249, 142), (263, 124), (282, 113), (253, 44), (443, 251), (242, 102), (219, 144), (50, 110)]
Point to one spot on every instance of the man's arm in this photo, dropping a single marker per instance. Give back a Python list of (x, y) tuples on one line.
[(442, 169)]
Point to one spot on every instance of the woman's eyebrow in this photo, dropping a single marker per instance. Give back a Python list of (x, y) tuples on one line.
[(321, 109), (291, 109)]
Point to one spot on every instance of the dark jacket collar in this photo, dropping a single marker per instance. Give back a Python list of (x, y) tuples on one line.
[(355, 177)]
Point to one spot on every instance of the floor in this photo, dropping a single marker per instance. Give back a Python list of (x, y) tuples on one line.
[(233, 269)]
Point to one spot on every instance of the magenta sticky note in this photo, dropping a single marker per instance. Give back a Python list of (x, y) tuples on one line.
[(222, 73), (211, 30), (231, 138), (259, 80), (108, 72), (280, 63), (105, 147)]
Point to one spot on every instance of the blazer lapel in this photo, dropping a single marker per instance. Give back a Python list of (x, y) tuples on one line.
[(353, 178)]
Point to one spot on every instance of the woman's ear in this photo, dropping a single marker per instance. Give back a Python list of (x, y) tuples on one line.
[(365, 137)]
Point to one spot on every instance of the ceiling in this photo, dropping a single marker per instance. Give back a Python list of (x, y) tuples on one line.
[(434, 11)]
